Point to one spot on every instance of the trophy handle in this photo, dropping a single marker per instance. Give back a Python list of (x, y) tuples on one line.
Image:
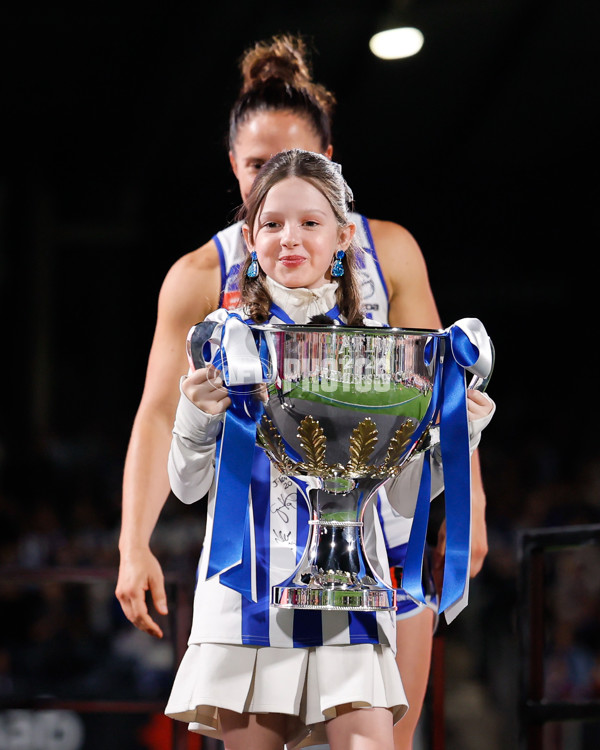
[(480, 384), (198, 336)]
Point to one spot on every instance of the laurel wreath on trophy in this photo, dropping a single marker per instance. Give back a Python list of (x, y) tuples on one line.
[(314, 446)]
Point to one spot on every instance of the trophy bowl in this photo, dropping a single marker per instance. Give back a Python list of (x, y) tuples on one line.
[(344, 410)]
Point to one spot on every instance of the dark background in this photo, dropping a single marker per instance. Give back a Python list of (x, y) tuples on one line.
[(114, 164)]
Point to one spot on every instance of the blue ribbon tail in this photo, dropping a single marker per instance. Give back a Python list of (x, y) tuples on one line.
[(239, 577), (233, 473), (412, 575), (454, 439)]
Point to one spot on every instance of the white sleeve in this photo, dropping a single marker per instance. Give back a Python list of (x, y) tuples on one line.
[(403, 490), (477, 426), (191, 462)]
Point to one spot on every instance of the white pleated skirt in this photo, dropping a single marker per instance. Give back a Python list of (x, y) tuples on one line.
[(306, 684)]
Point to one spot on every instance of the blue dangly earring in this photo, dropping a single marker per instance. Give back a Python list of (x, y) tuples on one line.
[(338, 269), (252, 271)]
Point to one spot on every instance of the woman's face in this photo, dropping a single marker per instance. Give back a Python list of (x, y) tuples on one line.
[(296, 234), (264, 135)]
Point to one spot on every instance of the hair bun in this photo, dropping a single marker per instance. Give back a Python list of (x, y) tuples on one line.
[(283, 58), (276, 75)]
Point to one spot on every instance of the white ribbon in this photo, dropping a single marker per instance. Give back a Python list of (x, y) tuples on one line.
[(475, 331), (242, 365)]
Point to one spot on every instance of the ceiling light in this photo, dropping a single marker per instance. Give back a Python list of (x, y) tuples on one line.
[(394, 44)]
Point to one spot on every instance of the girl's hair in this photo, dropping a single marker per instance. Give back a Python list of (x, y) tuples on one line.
[(326, 177), (276, 76)]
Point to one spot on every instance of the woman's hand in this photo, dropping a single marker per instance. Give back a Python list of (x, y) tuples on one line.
[(479, 405), (139, 572), (205, 389)]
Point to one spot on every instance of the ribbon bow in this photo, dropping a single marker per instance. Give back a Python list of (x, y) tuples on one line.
[(464, 346)]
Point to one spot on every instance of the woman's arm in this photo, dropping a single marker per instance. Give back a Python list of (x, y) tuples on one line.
[(412, 305), (411, 300), (190, 292)]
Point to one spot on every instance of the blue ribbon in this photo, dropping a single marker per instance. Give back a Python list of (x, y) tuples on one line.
[(234, 468), (412, 574), (230, 550), (459, 354), (456, 458)]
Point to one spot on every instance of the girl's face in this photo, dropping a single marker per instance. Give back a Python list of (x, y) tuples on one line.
[(264, 135), (296, 234)]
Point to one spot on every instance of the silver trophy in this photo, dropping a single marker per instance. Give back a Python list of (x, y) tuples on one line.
[(343, 410), (344, 415)]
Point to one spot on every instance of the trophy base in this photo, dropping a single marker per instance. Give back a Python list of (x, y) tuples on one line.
[(334, 598)]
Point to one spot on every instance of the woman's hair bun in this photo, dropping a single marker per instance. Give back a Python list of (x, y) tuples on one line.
[(282, 59)]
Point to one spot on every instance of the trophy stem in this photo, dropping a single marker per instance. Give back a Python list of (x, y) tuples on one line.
[(334, 572)]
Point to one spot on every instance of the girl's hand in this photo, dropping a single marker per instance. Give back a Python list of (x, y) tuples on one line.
[(479, 405), (205, 389)]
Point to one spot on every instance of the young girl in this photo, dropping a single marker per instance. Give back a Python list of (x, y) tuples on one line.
[(255, 675)]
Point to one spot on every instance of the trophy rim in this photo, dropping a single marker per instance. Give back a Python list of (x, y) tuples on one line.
[(322, 328)]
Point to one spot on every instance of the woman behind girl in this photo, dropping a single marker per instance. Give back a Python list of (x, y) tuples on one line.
[(255, 675), (279, 107)]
